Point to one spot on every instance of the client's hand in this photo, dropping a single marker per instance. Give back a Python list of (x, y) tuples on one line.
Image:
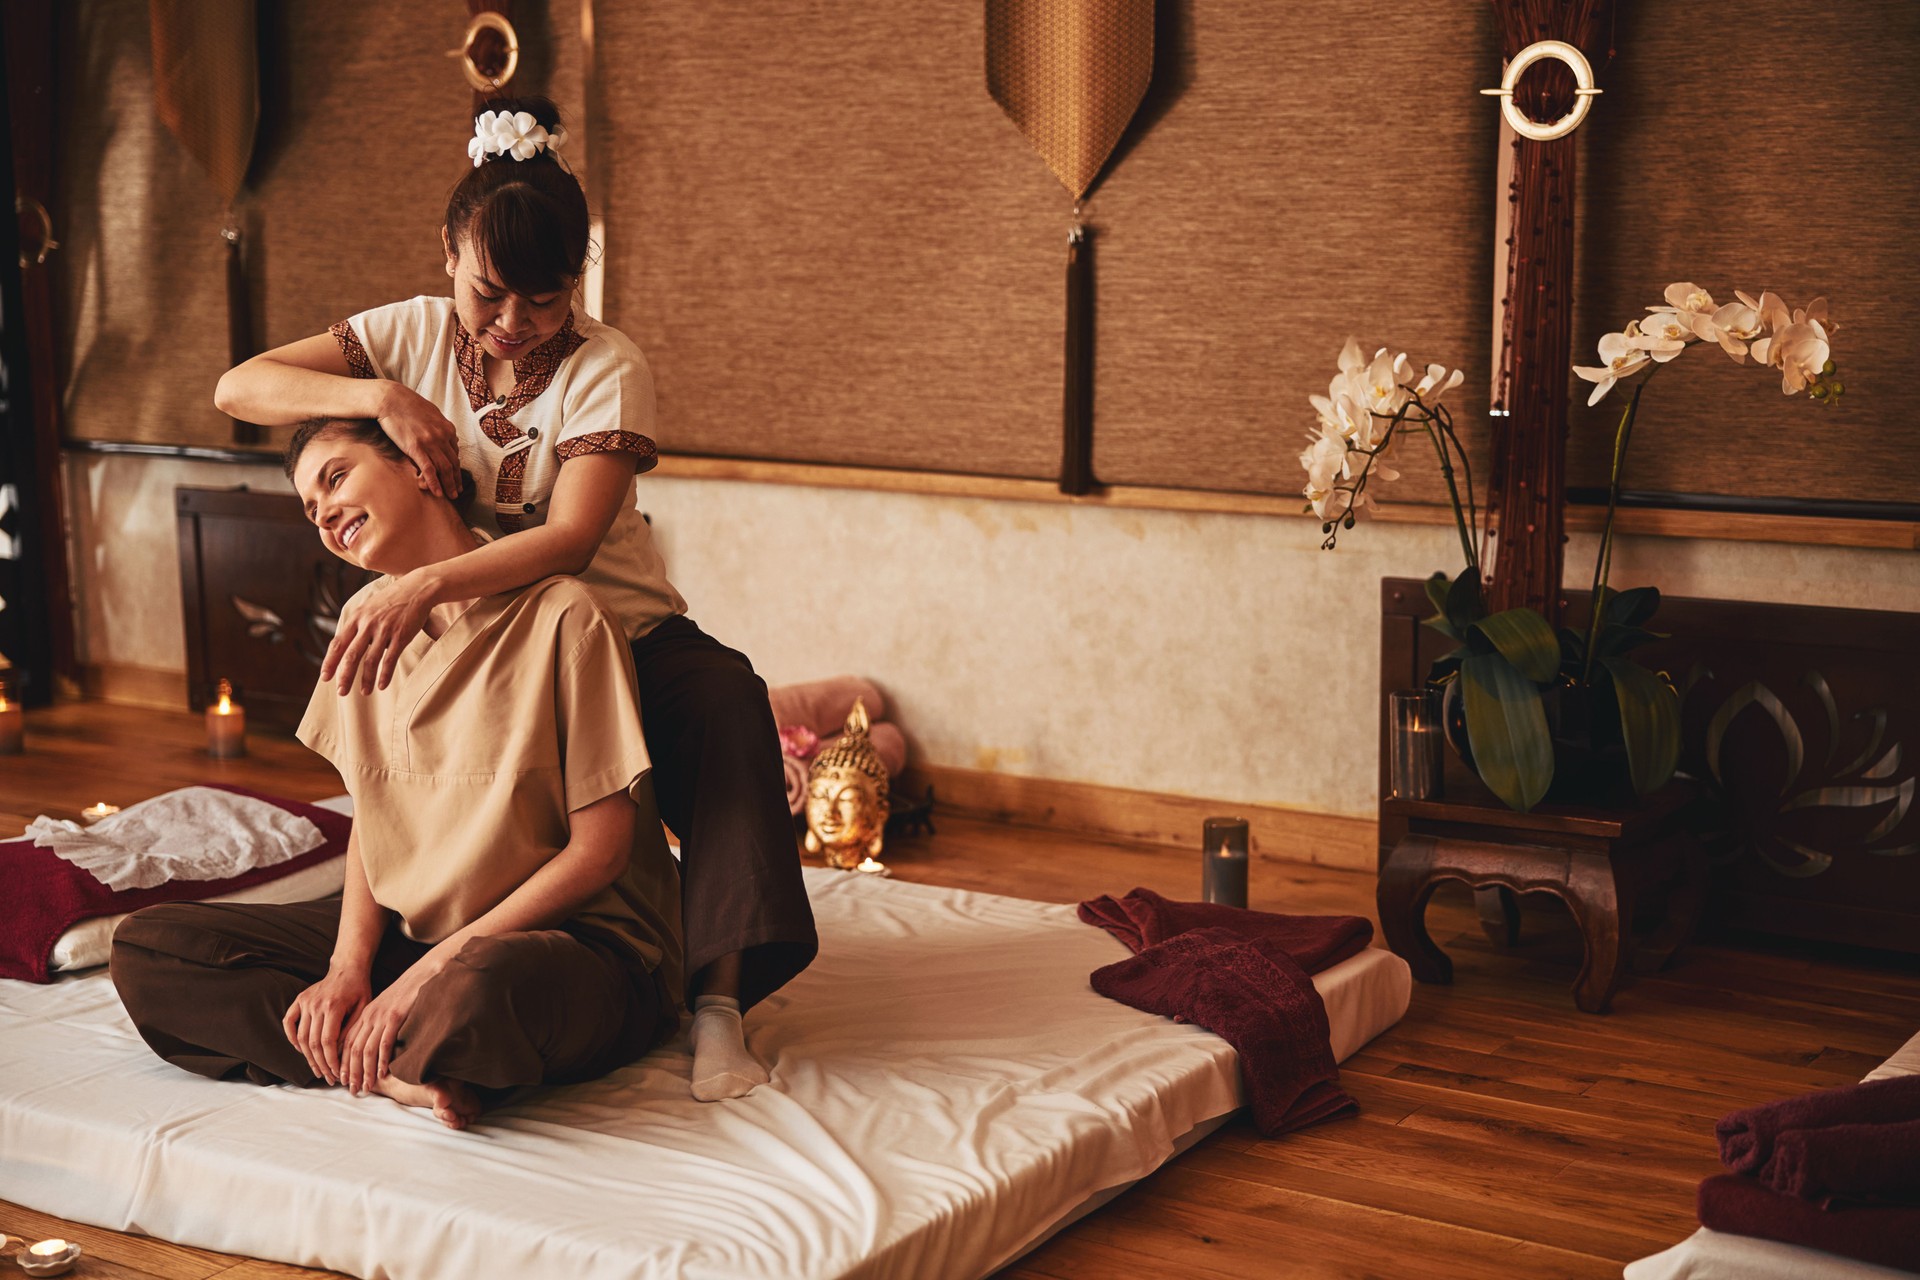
[(426, 436), (368, 1047), (373, 633), (314, 1020)]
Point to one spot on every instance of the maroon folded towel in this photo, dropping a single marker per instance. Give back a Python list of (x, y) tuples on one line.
[(42, 895), (1888, 1236), (1848, 1164), (1747, 1136), (1143, 919), (1242, 975)]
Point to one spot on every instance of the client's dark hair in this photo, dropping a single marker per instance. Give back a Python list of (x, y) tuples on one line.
[(527, 219), (361, 431)]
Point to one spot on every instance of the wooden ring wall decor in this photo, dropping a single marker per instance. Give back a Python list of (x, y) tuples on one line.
[(36, 258), (1583, 94), (488, 20)]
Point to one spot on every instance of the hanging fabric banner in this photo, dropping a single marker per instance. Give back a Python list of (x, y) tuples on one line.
[(206, 89), (1070, 74)]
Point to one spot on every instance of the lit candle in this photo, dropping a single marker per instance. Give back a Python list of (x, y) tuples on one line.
[(872, 866), (1223, 861), (96, 811), (13, 726), (47, 1248), (49, 1257), (226, 725), (1414, 762)]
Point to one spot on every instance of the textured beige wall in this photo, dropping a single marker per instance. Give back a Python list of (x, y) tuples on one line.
[(1211, 655)]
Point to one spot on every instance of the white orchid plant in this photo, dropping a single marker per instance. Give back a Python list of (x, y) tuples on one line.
[(1509, 663)]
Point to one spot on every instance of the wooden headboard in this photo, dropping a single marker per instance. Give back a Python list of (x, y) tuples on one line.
[(1801, 725), (261, 597)]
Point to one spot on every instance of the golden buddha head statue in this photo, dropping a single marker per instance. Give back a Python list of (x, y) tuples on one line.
[(847, 799)]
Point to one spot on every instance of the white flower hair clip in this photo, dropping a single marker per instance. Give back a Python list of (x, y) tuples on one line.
[(516, 134)]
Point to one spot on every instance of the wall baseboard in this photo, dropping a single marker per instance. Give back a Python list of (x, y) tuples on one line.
[(135, 686), (1115, 813)]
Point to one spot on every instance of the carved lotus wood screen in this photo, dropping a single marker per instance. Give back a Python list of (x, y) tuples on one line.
[(1802, 735)]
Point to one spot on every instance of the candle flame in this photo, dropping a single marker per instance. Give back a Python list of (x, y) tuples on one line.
[(225, 706), (48, 1248)]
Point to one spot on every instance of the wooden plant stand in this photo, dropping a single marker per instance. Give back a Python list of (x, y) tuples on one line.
[(1601, 862)]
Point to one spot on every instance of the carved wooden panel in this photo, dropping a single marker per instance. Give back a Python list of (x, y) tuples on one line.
[(1801, 727), (261, 598)]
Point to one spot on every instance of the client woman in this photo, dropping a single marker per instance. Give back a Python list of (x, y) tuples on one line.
[(511, 912)]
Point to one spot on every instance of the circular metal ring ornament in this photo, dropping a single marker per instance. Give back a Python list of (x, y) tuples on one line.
[(1583, 93), (488, 20), (24, 204)]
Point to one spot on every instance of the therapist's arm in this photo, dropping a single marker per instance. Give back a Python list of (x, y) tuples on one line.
[(588, 494), (311, 379)]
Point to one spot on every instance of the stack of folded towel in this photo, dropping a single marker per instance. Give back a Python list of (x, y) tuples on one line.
[(1837, 1170), (811, 716)]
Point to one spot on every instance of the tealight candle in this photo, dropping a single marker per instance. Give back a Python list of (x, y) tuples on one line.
[(1223, 861), (13, 725), (49, 1257), (94, 812), (872, 866), (226, 725)]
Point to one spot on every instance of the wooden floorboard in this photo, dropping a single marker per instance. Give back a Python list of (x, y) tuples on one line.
[(1501, 1131)]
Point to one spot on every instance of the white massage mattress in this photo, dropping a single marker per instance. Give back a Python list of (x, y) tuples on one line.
[(946, 1089)]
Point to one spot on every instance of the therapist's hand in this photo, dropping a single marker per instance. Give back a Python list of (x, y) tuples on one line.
[(315, 1018), (367, 1047), (372, 634), (426, 436)]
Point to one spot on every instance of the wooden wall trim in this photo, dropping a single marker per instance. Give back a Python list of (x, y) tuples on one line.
[(134, 686), (1279, 833), (1645, 522)]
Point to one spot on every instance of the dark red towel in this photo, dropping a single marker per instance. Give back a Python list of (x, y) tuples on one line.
[(1747, 1137), (42, 895), (1888, 1236), (1243, 975), (1848, 1164), (1143, 918)]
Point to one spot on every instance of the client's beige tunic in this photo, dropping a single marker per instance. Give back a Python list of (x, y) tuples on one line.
[(464, 769)]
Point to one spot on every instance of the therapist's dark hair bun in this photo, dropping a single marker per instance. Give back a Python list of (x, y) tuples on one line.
[(527, 219)]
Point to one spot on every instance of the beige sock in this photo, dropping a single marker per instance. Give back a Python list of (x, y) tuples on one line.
[(722, 1066)]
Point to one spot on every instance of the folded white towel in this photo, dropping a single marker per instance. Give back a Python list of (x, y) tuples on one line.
[(196, 833)]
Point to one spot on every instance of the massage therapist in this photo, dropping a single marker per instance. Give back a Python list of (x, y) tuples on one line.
[(553, 414)]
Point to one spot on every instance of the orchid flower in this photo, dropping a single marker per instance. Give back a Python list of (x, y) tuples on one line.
[(1798, 347), (1623, 359), (1694, 308)]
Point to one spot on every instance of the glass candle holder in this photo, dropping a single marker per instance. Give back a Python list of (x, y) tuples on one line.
[(226, 725), (1223, 861), (1414, 745), (13, 726)]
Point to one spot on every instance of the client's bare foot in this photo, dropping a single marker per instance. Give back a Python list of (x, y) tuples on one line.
[(453, 1103)]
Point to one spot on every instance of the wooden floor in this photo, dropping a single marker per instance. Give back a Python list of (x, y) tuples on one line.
[(1502, 1133)]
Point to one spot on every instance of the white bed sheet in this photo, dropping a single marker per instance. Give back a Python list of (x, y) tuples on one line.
[(946, 1089), (1718, 1255)]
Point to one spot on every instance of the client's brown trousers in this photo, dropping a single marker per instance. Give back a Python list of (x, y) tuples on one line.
[(207, 985)]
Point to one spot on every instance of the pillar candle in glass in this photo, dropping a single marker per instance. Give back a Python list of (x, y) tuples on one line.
[(1223, 861), (1414, 759), (226, 725), (13, 722)]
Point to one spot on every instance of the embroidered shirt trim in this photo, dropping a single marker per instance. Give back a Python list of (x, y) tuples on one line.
[(358, 365), (645, 455), (531, 376)]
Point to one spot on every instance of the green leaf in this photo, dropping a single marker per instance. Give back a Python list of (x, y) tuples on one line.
[(1615, 641), (1649, 723), (1507, 728), (1525, 640), (1630, 608), (1464, 604), (1437, 592)]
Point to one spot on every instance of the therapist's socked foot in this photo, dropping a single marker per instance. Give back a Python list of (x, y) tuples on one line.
[(722, 1066), (453, 1103)]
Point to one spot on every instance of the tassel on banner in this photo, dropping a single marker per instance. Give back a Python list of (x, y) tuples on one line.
[(1076, 454)]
